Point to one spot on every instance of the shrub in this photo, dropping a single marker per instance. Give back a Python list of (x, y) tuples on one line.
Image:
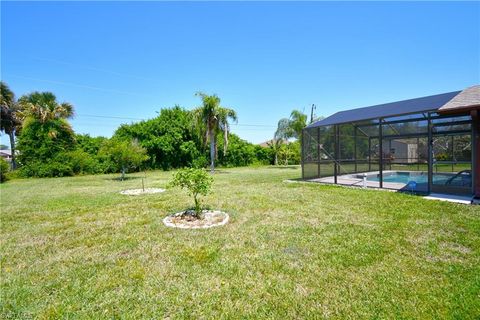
[(196, 181), (81, 162), (441, 157), (43, 169), (42, 142), (239, 153), (200, 162), (289, 153), (170, 138), (121, 155), (61, 165), (4, 167), (90, 145), (43, 146), (264, 155)]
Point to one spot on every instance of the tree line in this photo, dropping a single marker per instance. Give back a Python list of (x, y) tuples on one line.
[(44, 144)]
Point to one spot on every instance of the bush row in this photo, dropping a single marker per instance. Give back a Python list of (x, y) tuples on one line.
[(52, 149)]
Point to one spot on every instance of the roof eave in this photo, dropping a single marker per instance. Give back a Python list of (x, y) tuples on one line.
[(461, 109)]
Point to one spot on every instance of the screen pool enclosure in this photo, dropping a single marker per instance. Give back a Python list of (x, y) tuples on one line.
[(410, 145)]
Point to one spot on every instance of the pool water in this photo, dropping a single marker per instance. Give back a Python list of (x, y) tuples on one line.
[(406, 177)]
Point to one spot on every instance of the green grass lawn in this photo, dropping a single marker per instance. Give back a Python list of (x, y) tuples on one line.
[(76, 248)]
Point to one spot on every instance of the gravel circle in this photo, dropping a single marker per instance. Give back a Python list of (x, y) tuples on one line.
[(138, 192), (210, 219)]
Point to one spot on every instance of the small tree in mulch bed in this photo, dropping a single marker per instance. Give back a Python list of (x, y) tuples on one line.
[(197, 182), (121, 155)]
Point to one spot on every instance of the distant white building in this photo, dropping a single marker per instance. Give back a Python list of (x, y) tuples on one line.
[(6, 154), (402, 152)]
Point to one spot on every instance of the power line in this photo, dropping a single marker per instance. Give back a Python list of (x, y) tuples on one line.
[(141, 119), (252, 125), (93, 68), (110, 117), (80, 86)]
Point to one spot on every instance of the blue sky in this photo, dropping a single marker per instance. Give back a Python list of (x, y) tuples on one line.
[(264, 59)]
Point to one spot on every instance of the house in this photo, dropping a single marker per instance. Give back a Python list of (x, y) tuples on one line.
[(426, 145), (6, 154), (401, 151), (267, 143)]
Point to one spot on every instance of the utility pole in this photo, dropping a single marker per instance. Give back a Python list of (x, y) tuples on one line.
[(311, 113)]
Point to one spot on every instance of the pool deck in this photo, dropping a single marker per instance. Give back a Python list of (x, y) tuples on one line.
[(351, 180), (449, 198)]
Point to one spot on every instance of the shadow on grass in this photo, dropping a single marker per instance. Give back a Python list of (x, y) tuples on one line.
[(220, 171), (124, 179), (298, 179), (284, 167)]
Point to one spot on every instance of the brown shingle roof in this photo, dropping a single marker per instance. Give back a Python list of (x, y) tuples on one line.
[(266, 143), (465, 100)]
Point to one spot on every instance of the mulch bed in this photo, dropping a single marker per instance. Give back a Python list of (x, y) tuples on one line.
[(138, 192), (187, 220)]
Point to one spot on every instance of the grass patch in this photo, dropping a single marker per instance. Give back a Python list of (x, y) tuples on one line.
[(76, 248)]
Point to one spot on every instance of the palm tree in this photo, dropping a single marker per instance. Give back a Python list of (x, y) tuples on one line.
[(291, 127), (298, 121), (284, 131), (43, 106), (9, 121), (275, 145), (211, 119)]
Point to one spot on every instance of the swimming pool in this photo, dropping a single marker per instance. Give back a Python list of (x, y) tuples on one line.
[(406, 177)]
